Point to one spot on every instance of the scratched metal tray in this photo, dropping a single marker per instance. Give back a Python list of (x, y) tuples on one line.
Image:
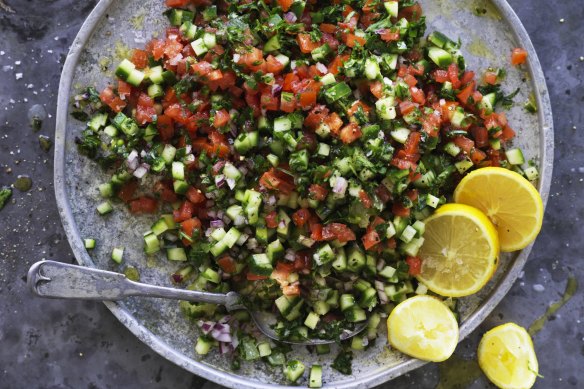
[(116, 25)]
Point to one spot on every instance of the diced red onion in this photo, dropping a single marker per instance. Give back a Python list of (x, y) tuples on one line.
[(170, 237), (348, 286), (252, 244), (221, 336), (132, 161), (340, 185), (218, 166), (365, 341), (236, 57), (210, 195), (143, 153), (243, 170), (208, 232), (321, 68), (226, 220), (234, 340), (206, 326), (383, 299), (209, 203), (217, 224), (290, 17), (141, 170), (230, 183), (219, 180), (290, 255), (276, 88), (220, 214), (212, 214), (271, 200), (225, 348), (380, 264), (225, 319)]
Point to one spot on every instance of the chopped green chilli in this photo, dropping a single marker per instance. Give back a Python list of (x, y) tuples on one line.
[(291, 151)]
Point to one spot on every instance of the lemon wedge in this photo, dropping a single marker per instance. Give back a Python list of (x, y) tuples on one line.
[(510, 201), (460, 250), (507, 357), (424, 328)]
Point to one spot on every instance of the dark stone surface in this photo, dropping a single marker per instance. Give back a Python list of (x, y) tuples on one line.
[(57, 344)]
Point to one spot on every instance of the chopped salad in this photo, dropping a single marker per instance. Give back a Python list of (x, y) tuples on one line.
[(292, 150)]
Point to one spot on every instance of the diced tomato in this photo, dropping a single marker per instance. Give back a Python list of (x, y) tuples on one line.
[(490, 78), (440, 76), (109, 98), (156, 48), (453, 75), (227, 264), (399, 210), (352, 40), (338, 231), (477, 156), (145, 112), (383, 193), (337, 63), (139, 58), (176, 3), (302, 260), (316, 232), (195, 196), (370, 239), (127, 191), (143, 205), (186, 211), (508, 133), (306, 43), (163, 189), (273, 65), (269, 102), (481, 136), (165, 126), (301, 216), (387, 35), (285, 4), (365, 199), (221, 118), (191, 228), (202, 68), (466, 93), (288, 104), (376, 88), (412, 144), (406, 107), (214, 76), (255, 277), (467, 77), (124, 89), (410, 80), (316, 116), (415, 265), (518, 56), (464, 143), (418, 95), (271, 219), (317, 192), (291, 290), (275, 179), (411, 13), (350, 133)]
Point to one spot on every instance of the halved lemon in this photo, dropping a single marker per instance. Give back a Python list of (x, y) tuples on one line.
[(510, 201), (459, 254), (424, 328), (507, 357)]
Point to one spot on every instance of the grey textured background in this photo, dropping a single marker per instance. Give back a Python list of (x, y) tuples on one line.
[(56, 344)]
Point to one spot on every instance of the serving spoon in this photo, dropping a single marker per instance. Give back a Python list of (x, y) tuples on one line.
[(61, 280)]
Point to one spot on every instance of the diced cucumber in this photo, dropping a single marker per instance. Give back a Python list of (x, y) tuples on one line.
[(282, 124), (168, 153), (135, 78), (412, 247), (210, 40), (320, 53), (355, 314), (159, 227), (178, 170), (372, 70), (432, 201), (322, 349), (346, 301), (252, 209), (488, 103), (218, 234), (203, 345), (515, 156), (452, 149), (275, 250), (104, 208), (440, 57), (264, 349), (315, 378), (328, 79), (276, 359), (176, 254), (386, 108), (463, 166), (180, 186), (151, 243), (312, 320), (89, 243), (400, 135), (340, 262), (199, 47), (117, 254), (211, 275), (284, 224), (321, 307), (438, 39), (355, 259), (231, 237), (248, 349), (531, 173), (273, 44), (294, 370), (97, 121), (392, 8), (124, 69), (387, 272), (261, 265), (323, 255)]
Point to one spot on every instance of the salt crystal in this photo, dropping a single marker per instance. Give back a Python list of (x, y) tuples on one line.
[(538, 288), (18, 76)]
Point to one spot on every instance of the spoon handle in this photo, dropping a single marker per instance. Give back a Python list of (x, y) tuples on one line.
[(60, 280)]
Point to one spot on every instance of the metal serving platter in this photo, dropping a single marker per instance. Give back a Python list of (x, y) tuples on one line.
[(115, 25)]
